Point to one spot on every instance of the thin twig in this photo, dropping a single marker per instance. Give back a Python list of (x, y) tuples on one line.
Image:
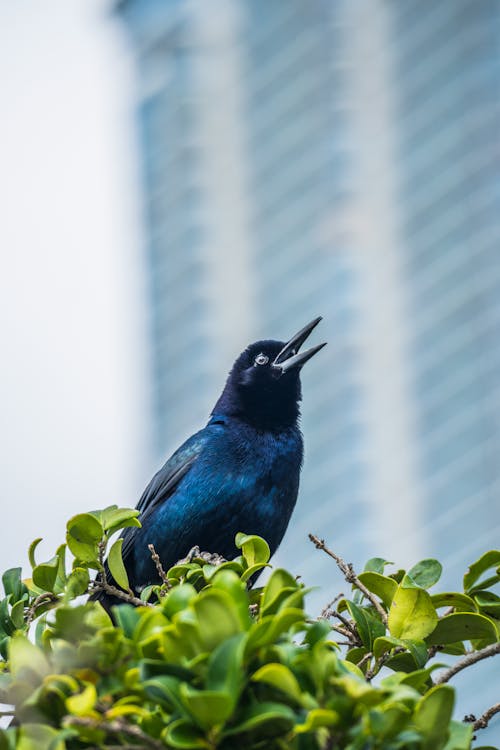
[(114, 591), (365, 658), (483, 720), (350, 576), (471, 658), (382, 660), (118, 726), (328, 610), (159, 567), (44, 598)]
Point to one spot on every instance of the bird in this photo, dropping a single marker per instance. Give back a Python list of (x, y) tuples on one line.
[(240, 473)]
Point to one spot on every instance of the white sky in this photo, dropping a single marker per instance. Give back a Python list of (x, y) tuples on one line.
[(72, 331)]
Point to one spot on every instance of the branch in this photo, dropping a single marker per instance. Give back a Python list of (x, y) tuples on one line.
[(159, 567), (483, 720), (118, 726), (471, 658), (44, 598), (350, 576), (114, 591)]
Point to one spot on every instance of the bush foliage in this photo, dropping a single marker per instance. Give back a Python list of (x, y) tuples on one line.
[(207, 663)]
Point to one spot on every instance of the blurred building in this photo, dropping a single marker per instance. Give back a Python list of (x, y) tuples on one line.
[(297, 161)]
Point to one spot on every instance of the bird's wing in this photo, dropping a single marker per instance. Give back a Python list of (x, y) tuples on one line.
[(165, 482)]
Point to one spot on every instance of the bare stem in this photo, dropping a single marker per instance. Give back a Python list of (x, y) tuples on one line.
[(483, 720), (44, 598), (350, 576), (100, 585), (159, 567), (118, 726), (471, 658)]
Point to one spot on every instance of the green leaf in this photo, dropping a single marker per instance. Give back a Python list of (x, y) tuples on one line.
[(255, 550), (460, 736), (264, 720), (269, 628), (376, 565), (316, 718), (39, 737), (280, 584), (83, 703), (369, 627), (380, 585), (230, 582), (26, 659), (31, 551), (488, 602), (209, 708), (432, 716), (463, 626), (225, 667), (426, 573), (183, 735), (114, 518), (116, 566), (460, 602), (178, 599), (279, 677), (84, 532), (489, 560), (13, 584), (45, 574), (77, 583), (412, 614), (217, 616)]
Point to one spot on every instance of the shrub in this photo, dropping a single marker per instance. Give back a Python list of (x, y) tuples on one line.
[(205, 662)]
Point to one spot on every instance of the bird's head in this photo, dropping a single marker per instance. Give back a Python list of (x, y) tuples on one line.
[(263, 387)]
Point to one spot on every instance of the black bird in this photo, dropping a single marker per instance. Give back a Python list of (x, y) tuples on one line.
[(239, 473)]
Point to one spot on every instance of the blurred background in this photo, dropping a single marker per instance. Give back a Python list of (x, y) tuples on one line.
[(180, 178)]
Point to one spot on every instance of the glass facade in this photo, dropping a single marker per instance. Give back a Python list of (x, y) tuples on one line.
[(298, 161)]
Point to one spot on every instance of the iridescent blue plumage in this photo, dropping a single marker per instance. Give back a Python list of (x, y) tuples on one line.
[(239, 473)]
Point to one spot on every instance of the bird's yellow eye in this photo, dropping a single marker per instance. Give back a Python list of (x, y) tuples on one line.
[(261, 359)]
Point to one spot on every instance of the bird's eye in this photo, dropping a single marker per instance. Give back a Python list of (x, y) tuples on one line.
[(261, 359)]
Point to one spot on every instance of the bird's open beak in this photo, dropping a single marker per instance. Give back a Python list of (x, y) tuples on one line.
[(290, 357)]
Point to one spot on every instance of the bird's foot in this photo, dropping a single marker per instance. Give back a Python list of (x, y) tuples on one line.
[(212, 558)]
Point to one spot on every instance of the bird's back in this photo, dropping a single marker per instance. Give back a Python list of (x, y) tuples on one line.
[(238, 479)]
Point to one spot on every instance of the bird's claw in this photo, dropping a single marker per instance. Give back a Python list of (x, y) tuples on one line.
[(211, 558)]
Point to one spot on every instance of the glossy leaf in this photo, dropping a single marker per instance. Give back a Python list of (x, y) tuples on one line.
[(281, 678), (460, 736), (488, 603), (376, 565), (426, 573), (116, 566), (489, 560), (433, 714), (254, 549), (380, 585), (460, 602), (208, 708), (412, 614), (115, 518), (83, 703), (462, 626), (183, 735), (84, 532), (45, 574), (31, 551), (13, 585)]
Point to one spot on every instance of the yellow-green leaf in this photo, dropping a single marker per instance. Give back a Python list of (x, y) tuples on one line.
[(279, 677), (116, 566), (83, 703), (412, 614)]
